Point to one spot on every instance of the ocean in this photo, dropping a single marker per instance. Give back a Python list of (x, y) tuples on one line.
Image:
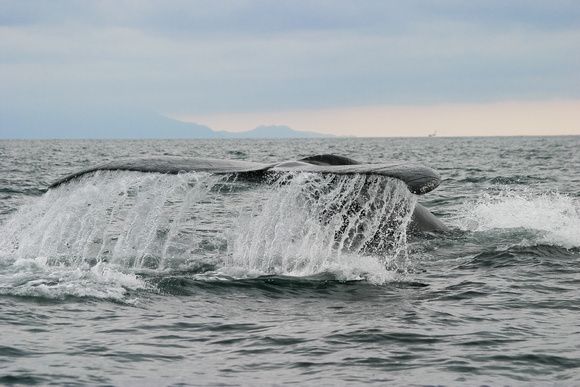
[(128, 278)]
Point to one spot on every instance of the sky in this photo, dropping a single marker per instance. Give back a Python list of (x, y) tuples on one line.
[(365, 68)]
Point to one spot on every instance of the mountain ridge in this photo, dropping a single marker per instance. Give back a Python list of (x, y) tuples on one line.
[(123, 124)]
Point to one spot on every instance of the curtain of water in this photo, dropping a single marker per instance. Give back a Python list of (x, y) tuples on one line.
[(130, 219), (302, 224), (310, 222)]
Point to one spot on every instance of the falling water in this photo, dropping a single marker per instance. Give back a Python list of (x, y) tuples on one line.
[(313, 223), (130, 219), (299, 224)]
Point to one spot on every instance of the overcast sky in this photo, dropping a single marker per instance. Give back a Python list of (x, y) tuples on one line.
[(366, 68)]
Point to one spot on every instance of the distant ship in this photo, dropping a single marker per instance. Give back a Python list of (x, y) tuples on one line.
[(434, 134)]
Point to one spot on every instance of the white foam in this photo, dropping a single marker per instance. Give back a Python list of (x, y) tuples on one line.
[(26, 277), (554, 216)]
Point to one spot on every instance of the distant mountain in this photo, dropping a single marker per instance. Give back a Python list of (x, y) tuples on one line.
[(122, 124), (274, 131)]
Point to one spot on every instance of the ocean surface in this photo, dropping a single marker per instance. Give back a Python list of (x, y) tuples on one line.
[(127, 278)]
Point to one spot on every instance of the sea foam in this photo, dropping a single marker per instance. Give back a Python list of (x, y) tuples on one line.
[(553, 217)]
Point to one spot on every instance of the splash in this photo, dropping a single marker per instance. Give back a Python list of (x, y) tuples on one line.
[(353, 226), (90, 237), (101, 235), (134, 220), (553, 217)]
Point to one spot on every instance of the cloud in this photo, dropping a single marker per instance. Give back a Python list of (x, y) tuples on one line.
[(206, 57)]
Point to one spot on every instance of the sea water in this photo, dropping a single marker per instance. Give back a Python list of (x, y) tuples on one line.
[(126, 278)]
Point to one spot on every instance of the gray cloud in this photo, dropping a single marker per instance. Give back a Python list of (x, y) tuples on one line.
[(212, 56)]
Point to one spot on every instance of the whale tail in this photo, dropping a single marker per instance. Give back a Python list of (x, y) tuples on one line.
[(418, 178)]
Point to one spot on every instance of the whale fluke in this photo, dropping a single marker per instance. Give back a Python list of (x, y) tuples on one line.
[(171, 165), (418, 178)]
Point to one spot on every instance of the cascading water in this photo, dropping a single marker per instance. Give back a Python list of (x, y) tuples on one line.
[(130, 219), (113, 226), (98, 235), (313, 223)]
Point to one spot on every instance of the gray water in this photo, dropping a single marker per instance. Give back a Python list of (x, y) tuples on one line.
[(124, 278)]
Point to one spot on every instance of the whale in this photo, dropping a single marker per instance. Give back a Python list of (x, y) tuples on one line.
[(419, 179)]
